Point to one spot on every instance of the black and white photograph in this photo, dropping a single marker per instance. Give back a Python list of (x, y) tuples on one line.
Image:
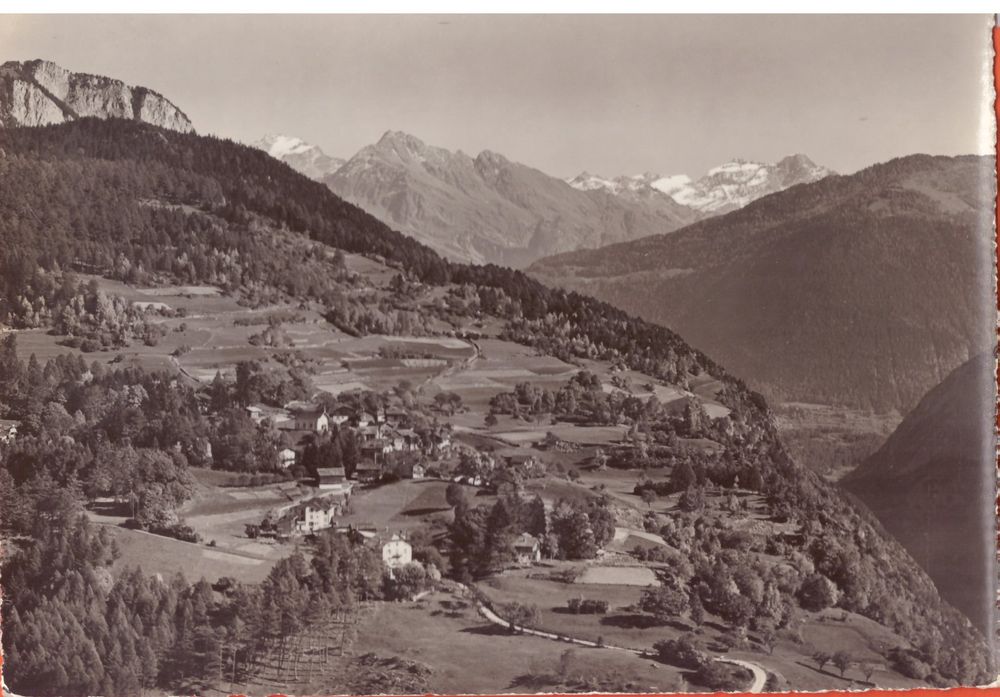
[(480, 354)]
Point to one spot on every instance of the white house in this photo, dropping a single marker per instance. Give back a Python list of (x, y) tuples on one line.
[(315, 420), (286, 458), (527, 549), (396, 552), (8, 430), (311, 516)]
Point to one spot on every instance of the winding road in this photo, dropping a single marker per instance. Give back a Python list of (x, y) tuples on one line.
[(759, 674)]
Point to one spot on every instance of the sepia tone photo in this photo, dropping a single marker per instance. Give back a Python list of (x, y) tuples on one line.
[(484, 354)]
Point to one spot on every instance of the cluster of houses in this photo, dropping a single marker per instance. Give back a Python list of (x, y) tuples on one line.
[(317, 514), (382, 434)]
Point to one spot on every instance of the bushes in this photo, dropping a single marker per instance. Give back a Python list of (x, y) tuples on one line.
[(818, 593), (519, 614), (907, 663), (179, 531), (581, 606), (663, 602), (685, 652), (719, 676)]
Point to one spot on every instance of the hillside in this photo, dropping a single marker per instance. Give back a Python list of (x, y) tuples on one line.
[(488, 209), (722, 189), (861, 290), (672, 442), (39, 93), (932, 485)]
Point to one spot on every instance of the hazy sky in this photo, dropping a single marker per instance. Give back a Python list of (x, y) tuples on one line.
[(609, 94)]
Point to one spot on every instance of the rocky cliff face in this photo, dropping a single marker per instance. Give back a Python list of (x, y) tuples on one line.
[(39, 93)]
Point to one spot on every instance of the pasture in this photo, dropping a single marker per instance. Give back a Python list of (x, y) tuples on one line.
[(618, 576), (165, 557), (446, 634)]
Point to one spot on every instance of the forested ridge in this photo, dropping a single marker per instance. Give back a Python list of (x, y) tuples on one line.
[(144, 205), (862, 290)]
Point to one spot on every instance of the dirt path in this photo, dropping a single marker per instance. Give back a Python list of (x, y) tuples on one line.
[(759, 674)]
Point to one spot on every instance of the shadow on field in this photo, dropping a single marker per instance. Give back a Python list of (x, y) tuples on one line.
[(636, 621), (488, 630), (414, 512)]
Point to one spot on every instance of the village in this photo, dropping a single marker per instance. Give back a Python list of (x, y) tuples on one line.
[(556, 500)]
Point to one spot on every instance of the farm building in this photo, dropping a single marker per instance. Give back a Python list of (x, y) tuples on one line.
[(150, 306), (260, 412), (330, 477), (525, 461), (527, 549), (341, 415), (368, 471), (418, 471), (396, 416)]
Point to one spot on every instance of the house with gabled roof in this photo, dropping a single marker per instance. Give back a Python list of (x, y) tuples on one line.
[(313, 419), (330, 477), (527, 549)]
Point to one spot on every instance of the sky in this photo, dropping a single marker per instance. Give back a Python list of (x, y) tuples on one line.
[(610, 94)]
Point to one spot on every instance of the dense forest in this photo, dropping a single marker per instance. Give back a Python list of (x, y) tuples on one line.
[(142, 205)]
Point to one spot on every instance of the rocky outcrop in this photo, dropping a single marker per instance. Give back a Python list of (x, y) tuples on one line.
[(40, 93)]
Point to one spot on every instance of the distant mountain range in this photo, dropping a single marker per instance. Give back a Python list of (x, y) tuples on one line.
[(301, 156), (39, 93), (932, 486), (487, 208), (861, 290), (725, 188)]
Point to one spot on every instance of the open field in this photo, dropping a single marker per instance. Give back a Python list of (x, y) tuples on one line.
[(165, 557), (402, 505), (623, 626), (620, 626), (618, 576), (467, 655)]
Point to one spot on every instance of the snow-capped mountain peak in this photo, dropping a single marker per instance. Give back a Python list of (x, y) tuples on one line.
[(280, 146), (304, 157), (726, 187)]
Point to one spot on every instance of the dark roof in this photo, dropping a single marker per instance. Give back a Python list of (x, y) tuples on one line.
[(368, 465)]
